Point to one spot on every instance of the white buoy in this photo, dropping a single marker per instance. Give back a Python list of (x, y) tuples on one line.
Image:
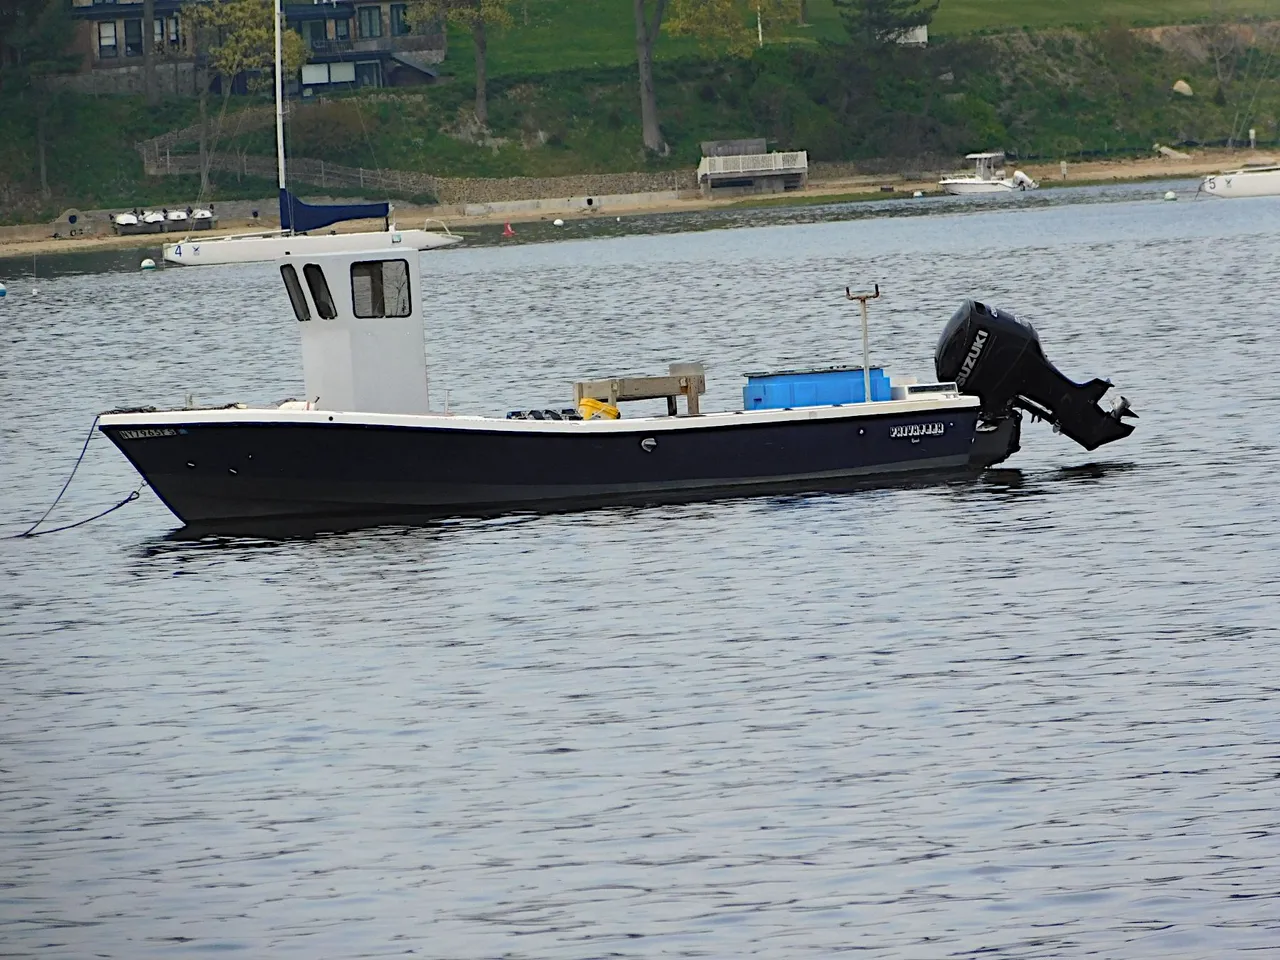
[(619, 219), (1170, 195), (557, 222), (918, 193), (148, 264), (3, 291)]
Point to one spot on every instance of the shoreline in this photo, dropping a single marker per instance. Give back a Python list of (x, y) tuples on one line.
[(863, 188)]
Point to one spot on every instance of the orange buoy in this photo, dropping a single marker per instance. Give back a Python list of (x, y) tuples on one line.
[(507, 231)]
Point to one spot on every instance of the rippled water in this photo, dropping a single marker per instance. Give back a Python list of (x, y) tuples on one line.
[(1032, 716)]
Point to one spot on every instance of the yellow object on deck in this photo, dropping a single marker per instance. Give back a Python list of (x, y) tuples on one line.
[(591, 408)]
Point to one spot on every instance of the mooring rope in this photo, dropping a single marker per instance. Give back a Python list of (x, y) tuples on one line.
[(31, 530)]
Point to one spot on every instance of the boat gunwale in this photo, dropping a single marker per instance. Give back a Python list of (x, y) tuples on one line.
[(254, 417)]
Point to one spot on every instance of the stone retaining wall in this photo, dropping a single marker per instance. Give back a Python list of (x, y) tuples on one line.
[(480, 191), (446, 190)]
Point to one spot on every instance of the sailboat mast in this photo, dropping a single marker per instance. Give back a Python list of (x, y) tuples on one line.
[(279, 100)]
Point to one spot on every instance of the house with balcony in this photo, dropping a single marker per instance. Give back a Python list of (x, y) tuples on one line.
[(356, 44), (351, 44)]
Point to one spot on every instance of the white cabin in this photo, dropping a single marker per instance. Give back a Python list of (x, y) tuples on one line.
[(360, 316)]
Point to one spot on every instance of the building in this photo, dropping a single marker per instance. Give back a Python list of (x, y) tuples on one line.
[(351, 44), (364, 45), (731, 167)]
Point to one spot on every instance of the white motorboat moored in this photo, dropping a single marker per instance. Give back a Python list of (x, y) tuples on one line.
[(989, 177), (1259, 181), (365, 447)]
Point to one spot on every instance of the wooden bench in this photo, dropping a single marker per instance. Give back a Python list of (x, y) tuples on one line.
[(686, 380)]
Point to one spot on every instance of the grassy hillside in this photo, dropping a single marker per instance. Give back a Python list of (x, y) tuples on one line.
[(563, 100), (91, 159), (1049, 94), (589, 34)]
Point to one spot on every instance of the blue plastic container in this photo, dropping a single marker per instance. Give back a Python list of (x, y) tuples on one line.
[(812, 388)]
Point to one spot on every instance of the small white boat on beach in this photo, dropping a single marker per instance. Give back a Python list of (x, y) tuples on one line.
[(153, 221), (989, 177), (1256, 181), (176, 220), (127, 224)]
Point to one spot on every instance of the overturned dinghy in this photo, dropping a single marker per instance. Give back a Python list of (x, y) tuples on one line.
[(365, 448)]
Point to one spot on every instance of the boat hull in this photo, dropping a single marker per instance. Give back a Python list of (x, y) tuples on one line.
[(258, 249), (216, 471), (1243, 183), (968, 186)]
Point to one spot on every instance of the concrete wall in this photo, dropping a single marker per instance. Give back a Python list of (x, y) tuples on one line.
[(485, 191), (600, 203)]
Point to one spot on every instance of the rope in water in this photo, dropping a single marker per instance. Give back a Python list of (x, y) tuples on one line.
[(31, 530)]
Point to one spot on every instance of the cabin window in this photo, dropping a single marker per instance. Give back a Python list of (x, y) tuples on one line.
[(380, 288), (320, 291), (296, 296), (106, 40)]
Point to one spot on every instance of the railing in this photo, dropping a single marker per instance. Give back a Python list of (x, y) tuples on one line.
[(756, 164)]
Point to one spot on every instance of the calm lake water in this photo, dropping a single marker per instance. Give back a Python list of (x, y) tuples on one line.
[(1031, 716)]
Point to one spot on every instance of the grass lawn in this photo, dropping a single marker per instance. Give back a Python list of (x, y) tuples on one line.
[(573, 34)]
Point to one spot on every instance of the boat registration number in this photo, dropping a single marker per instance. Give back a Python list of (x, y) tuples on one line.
[(916, 430), (147, 432)]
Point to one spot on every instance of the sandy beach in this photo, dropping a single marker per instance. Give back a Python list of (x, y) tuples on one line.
[(28, 240)]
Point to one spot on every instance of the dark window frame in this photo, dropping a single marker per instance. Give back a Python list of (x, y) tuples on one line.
[(113, 46), (133, 47), (400, 25), (364, 14), (319, 288), (376, 273), (342, 29), (296, 297)]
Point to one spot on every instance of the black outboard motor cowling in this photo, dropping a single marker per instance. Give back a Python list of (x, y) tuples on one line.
[(996, 357)]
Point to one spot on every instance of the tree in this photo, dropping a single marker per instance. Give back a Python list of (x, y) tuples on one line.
[(729, 25), (37, 37), (474, 15), (648, 23), (246, 44), (874, 26)]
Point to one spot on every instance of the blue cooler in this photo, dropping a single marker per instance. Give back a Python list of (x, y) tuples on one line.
[(812, 388)]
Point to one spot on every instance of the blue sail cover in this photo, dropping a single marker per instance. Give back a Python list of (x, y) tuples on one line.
[(301, 217)]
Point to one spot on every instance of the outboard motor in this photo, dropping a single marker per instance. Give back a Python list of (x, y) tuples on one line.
[(996, 357)]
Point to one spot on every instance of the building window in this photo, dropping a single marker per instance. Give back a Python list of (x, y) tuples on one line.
[(133, 38), (316, 35), (399, 22), (342, 29), (106, 40), (166, 37), (370, 21)]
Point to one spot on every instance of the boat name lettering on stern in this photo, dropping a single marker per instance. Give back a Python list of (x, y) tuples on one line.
[(916, 430), (146, 432), (975, 351)]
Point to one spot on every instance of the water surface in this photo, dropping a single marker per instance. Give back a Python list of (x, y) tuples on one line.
[(1032, 716)]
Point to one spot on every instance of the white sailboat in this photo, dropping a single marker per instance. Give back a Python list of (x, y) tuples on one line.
[(298, 219), (988, 177), (1248, 181)]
